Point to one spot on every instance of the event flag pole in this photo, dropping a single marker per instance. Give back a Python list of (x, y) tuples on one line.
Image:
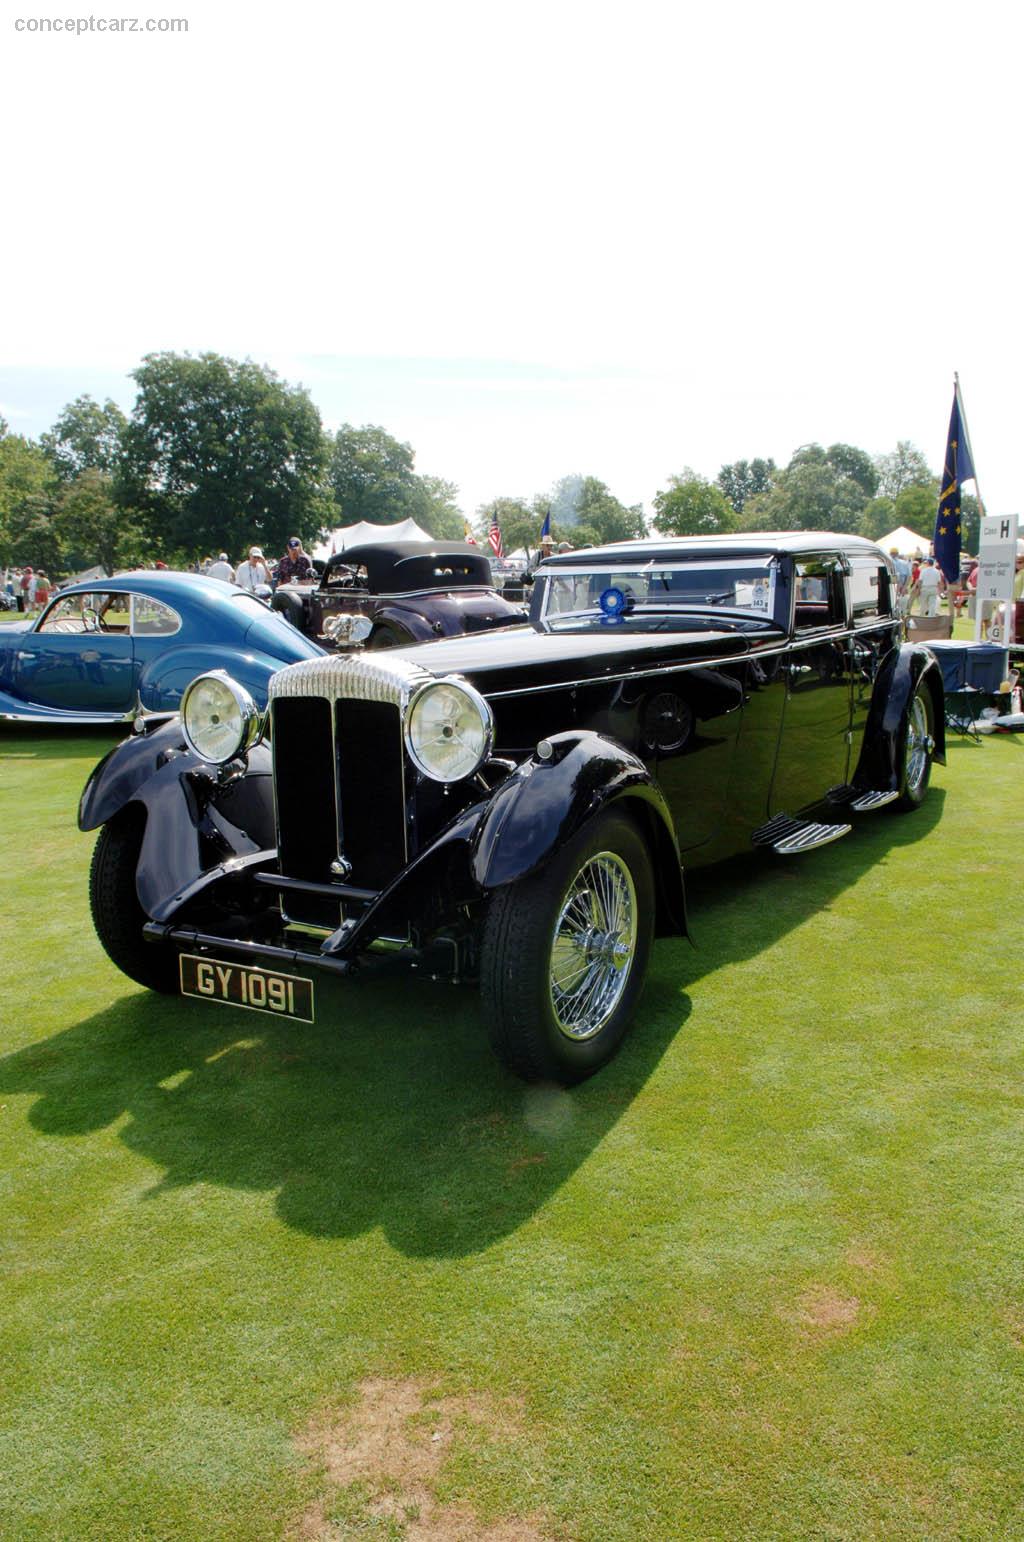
[(958, 468)]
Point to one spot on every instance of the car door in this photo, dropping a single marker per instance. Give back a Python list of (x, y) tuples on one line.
[(79, 657), (814, 742)]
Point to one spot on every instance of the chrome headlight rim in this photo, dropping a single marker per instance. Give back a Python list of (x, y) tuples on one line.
[(252, 720), (480, 704)]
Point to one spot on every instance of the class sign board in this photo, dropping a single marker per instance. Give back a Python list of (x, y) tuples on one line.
[(997, 554)]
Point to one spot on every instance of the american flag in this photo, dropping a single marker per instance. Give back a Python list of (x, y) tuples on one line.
[(494, 536)]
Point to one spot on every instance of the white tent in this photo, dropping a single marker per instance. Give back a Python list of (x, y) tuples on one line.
[(906, 542), (364, 532)]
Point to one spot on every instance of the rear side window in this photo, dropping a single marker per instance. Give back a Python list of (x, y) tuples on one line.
[(818, 599), (869, 587), (151, 618)]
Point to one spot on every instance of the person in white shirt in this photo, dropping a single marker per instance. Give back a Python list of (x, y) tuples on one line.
[(930, 584), (251, 574), (221, 569)]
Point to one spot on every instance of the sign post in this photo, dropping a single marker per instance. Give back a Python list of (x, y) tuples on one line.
[(997, 555)]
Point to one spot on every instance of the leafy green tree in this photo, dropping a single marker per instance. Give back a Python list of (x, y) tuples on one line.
[(93, 528), (901, 468), (743, 479), (916, 507), (27, 487), (437, 509), (854, 465), (877, 517), (220, 453), (691, 505), (815, 492), (592, 514), (372, 475), (85, 437)]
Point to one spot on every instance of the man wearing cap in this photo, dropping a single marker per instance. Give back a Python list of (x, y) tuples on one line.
[(295, 567), (254, 573), (221, 569)]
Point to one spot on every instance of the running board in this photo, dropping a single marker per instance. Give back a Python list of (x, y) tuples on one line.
[(869, 801), (848, 797), (791, 837)]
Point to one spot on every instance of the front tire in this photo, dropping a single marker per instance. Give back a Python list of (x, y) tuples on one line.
[(918, 750), (116, 912), (565, 952)]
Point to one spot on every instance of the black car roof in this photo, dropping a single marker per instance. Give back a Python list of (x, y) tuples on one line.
[(388, 562), (750, 543)]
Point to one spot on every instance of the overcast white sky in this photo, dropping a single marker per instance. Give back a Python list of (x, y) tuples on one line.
[(534, 239)]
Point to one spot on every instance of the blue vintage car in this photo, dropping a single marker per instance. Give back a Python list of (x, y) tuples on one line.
[(102, 652)]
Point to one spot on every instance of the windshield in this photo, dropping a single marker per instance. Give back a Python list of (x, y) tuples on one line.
[(654, 593)]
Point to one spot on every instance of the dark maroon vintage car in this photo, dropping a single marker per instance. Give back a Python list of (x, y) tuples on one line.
[(399, 592)]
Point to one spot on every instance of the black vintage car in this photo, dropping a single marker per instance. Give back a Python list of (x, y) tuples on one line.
[(520, 807), (394, 593)]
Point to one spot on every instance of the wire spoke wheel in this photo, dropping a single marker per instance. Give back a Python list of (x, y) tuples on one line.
[(593, 946), (919, 747)]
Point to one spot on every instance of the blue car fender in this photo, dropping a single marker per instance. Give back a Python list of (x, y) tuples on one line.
[(885, 734), (164, 678), (545, 802)]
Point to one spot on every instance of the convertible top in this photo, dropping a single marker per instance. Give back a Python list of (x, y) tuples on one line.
[(400, 566)]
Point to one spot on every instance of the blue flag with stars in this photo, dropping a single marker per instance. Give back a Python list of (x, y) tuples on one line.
[(957, 469)]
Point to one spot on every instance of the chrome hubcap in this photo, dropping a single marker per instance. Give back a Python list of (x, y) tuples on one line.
[(593, 946), (919, 745)]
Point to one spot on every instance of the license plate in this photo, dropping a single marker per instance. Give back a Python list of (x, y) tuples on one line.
[(242, 985)]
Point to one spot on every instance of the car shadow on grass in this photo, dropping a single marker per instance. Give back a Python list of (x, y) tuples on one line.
[(391, 1110)]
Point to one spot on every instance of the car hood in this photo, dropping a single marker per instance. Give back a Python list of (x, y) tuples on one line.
[(11, 629), (522, 656)]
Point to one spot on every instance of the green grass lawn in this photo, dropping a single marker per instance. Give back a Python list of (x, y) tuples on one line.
[(762, 1277)]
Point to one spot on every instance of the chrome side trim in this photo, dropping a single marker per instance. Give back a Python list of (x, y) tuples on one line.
[(675, 669), (69, 719)]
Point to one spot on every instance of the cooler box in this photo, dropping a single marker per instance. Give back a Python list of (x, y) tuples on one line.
[(974, 666)]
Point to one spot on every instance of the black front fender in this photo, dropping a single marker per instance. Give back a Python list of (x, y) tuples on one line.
[(881, 758), (197, 819), (544, 803)]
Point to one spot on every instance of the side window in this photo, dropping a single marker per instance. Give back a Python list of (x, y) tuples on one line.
[(65, 615), (151, 618), (869, 588), (818, 600)]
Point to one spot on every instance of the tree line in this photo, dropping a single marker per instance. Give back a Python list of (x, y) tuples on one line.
[(217, 454)]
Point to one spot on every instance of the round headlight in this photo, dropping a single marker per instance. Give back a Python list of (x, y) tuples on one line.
[(218, 717), (448, 730)]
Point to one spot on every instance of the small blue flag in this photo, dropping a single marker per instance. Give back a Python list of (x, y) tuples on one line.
[(545, 529), (958, 469)]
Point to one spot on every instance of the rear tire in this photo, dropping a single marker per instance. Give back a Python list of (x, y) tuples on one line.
[(918, 749), (564, 954), (116, 912)]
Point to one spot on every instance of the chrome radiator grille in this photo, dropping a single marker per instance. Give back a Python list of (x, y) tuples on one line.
[(339, 775)]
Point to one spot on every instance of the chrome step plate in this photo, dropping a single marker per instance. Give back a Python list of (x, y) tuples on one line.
[(869, 801), (789, 837), (808, 838)]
